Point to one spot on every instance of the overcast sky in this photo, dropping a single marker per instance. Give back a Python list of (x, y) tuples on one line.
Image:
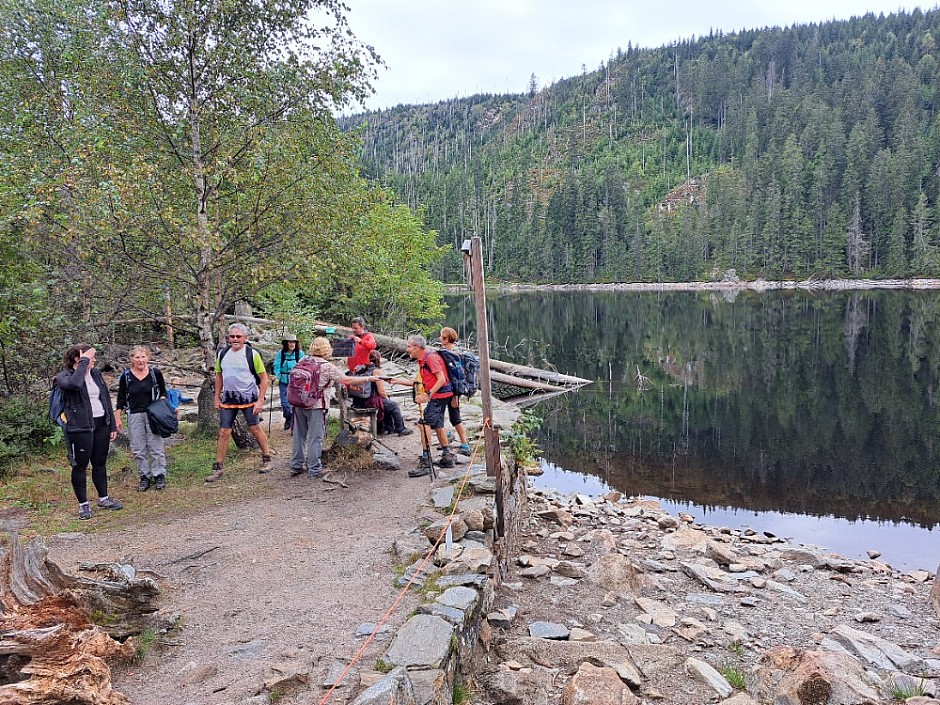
[(440, 49)]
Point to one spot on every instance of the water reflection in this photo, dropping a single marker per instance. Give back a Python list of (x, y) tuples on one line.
[(784, 404)]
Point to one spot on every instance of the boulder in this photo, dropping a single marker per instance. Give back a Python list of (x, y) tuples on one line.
[(512, 687), (395, 687), (790, 676), (458, 528), (593, 685), (618, 574)]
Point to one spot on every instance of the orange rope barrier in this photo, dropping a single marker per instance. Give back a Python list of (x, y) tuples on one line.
[(404, 590)]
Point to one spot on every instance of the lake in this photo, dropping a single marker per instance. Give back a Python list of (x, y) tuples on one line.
[(813, 416)]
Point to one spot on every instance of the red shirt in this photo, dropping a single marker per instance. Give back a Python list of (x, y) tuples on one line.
[(429, 366), (365, 345)]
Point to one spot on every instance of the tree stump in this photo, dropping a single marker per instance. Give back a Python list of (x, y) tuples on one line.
[(50, 651)]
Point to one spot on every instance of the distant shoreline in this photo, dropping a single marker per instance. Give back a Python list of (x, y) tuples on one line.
[(756, 285)]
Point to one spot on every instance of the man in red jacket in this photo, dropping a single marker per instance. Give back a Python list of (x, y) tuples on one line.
[(365, 343)]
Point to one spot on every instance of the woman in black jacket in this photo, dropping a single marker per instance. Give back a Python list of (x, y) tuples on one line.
[(90, 425)]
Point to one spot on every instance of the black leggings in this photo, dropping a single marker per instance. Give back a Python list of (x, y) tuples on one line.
[(85, 446)]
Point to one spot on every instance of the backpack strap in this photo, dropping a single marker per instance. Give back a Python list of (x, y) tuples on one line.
[(249, 355)]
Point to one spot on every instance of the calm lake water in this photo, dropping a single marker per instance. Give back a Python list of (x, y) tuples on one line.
[(813, 416)]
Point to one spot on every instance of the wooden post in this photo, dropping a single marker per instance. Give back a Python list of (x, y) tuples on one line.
[(474, 248)]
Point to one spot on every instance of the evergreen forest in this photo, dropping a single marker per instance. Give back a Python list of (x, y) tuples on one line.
[(806, 151)]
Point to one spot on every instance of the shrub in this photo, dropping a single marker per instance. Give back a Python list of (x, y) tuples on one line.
[(24, 428)]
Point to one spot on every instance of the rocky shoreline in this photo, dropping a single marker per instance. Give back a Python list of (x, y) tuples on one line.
[(614, 600), (730, 284)]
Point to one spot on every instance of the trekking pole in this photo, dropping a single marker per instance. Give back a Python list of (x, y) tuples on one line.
[(426, 442)]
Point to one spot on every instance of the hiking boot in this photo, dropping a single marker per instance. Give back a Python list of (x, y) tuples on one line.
[(423, 469), (294, 472), (446, 460), (287, 422), (265, 464), (464, 449), (217, 472), (315, 474), (160, 482), (144, 484), (84, 511), (406, 432), (109, 503)]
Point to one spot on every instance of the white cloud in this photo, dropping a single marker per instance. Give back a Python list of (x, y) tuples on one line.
[(437, 50)]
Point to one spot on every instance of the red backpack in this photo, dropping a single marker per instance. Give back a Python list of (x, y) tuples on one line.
[(303, 386)]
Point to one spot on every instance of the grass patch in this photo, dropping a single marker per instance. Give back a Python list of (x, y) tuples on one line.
[(37, 492), (734, 675), (736, 647), (462, 693), (144, 644), (382, 666), (909, 689)]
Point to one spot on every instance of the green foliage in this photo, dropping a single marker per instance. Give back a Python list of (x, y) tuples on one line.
[(734, 675), (737, 151), (902, 691), (462, 693), (382, 666), (519, 438), (24, 428), (144, 644)]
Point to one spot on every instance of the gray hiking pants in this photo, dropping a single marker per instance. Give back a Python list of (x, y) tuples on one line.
[(309, 431), (146, 446)]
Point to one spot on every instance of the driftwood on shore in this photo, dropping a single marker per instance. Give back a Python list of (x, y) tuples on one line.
[(50, 649), (512, 376)]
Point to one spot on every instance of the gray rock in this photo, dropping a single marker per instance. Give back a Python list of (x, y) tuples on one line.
[(333, 675), (561, 581), (451, 614), (632, 634), (385, 459), (877, 651), (472, 560), (461, 598), (499, 619), (708, 675), (548, 630), (899, 611), (536, 571), (573, 551), (469, 579), (458, 528), (784, 574), (625, 669), (864, 617), (699, 573), (248, 651), (791, 676), (703, 598), (720, 553), (786, 590), (662, 614), (443, 497), (478, 536), (396, 687), (423, 642), (749, 601), (367, 628)]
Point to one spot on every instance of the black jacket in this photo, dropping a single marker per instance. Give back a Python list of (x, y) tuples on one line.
[(77, 404)]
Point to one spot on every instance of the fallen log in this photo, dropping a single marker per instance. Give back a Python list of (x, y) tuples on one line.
[(502, 372), (50, 649)]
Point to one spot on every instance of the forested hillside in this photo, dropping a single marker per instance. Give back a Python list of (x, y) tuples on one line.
[(807, 151)]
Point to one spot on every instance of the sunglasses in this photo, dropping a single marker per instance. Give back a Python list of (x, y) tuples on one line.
[(236, 337)]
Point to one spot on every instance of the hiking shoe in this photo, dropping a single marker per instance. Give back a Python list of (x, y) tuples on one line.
[(315, 474), (144, 484), (423, 469), (84, 511), (446, 460), (160, 482), (109, 503), (217, 472), (287, 423), (294, 472), (265, 464), (464, 449), (406, 432)]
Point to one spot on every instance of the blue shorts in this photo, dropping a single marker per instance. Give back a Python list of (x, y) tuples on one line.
[(434, 412), (227, 417)]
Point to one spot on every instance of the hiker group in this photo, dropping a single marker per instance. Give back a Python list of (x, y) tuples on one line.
[(81, 404)]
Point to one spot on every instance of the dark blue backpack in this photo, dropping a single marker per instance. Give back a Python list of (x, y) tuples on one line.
[(463, 371), (56, 406)]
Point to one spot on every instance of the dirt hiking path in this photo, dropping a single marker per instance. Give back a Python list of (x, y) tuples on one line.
[(285, 583)]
